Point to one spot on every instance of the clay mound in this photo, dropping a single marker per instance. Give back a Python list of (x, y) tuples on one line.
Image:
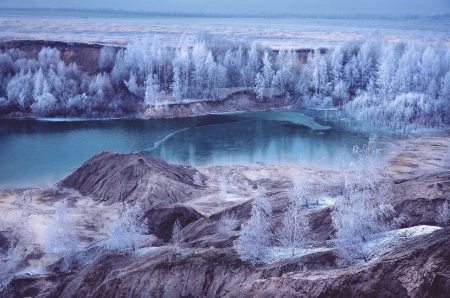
[(135, 178), (161, 220)]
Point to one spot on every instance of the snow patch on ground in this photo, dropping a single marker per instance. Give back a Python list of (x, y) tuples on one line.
[(379, 245)]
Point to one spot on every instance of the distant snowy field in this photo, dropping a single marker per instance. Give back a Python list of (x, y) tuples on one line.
[(276, 33)]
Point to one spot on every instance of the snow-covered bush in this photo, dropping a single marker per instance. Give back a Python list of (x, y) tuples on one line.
[(61, 237), (254, 242), (127, 230), (228, 223)]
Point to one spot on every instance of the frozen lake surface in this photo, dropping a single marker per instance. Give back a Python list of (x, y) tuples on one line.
[(273, 32)]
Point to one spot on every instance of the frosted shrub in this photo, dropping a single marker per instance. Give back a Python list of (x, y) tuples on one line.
[(445, 162), (177, 236), (254, 242), (60, 237), (227, 224), (127, 230), (443, 214)]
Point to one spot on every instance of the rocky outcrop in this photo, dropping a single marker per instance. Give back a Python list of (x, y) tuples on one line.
[(135, 178), (416, 200)]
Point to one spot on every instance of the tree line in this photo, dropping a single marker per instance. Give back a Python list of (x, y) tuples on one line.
[(400, 85)]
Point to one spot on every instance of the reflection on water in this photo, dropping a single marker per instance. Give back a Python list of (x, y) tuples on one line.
[(36, 152)]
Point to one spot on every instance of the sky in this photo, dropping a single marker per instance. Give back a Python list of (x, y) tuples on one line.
[(421, 7)]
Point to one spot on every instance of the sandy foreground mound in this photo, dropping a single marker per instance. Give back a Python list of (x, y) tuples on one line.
[(207, 265)]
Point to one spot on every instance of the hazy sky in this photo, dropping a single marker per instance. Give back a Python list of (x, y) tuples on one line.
[(252, 6)]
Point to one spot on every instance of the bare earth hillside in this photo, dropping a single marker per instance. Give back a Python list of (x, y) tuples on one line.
[(207, 265)]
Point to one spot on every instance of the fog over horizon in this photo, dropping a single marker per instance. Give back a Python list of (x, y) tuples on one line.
[(293, 7)]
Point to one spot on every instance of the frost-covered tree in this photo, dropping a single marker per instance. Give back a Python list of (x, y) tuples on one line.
[(20, 88), (153, 94), (48, 58), (177, 236), (199, 54), (445, 161), (254, 242), (227, 224), (260, 86), (127, 230), (223, 185), (300, 195), (198, 179), (107, 58), (443, 214), (295, 230), (61, 237), (364, 210)]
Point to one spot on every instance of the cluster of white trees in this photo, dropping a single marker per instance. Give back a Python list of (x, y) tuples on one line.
[(361, 215), (258, 234), (399, 85)]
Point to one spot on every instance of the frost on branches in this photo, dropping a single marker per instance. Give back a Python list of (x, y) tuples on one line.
[(227, 224), (61, 238), (127, 230), (254, 242), (295, 230), (364, 210), (177, 236)]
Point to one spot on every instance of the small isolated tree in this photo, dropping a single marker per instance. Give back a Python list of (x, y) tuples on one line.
[(177, 236), (198, 179), (223, 186), (295, 231), (443, 214), (60, 236), (127, 230), (445, 162), (254, 242), (228, 223)]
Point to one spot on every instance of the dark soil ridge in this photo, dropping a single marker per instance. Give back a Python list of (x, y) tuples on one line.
[(83, 54)]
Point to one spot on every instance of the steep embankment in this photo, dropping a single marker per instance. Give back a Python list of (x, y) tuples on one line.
[(83, 54)]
